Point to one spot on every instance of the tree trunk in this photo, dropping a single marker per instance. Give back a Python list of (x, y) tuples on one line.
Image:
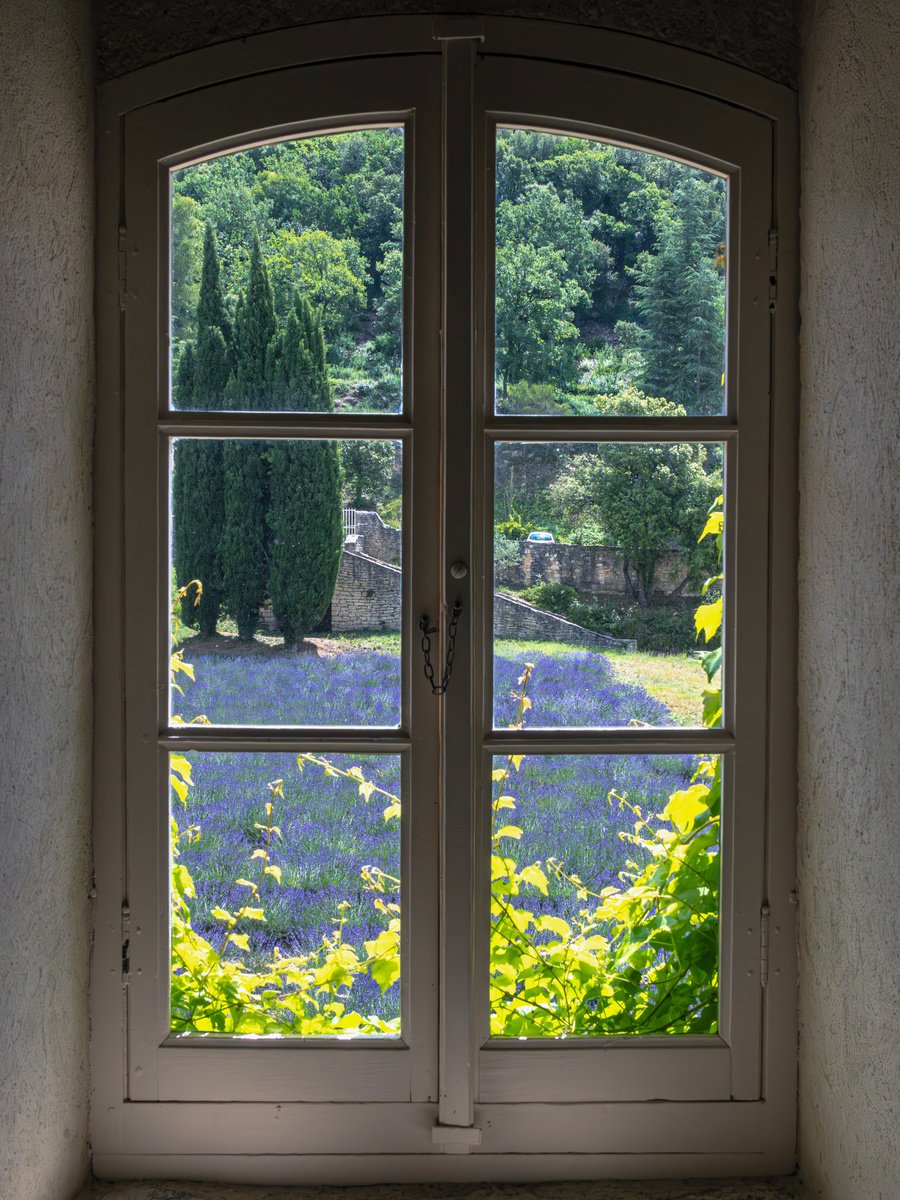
[(637, 590)]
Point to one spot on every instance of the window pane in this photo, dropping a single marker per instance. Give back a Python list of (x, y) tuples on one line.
[(604, 895), (285, 894), (610, 280), (287, 277), (598, 578), (297, 545)]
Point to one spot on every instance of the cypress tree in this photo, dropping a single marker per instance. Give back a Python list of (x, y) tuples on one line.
[(211, 303), (243, 540), (305, 483), (201, 382)]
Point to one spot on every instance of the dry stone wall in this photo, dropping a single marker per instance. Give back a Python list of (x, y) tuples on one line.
[(514, 618), (375, 538), (593, 570), (366, 595)]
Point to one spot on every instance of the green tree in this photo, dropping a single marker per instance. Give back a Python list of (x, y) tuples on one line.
[(223, 187), (305, 483), (390, 306), (680, 299), (329, 271), (245, 499), (211, 305), (187, 239), (547, 261), (201, 381), (368, 466), (649, 497)]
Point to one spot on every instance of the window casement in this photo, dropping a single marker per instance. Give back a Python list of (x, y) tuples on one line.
[(435, 1095)]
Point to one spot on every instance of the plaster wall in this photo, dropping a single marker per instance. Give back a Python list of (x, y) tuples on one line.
[(849, 530), (46, 375), (758, 34)]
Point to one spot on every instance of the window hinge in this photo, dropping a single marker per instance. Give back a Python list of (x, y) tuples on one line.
[(126, 942), (456, 1139), (773, 269), (123, 266), (764, 945)]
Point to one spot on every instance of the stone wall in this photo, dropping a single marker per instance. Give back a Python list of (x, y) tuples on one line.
[(514, 618), (376, 539), (366, 595), (593, 570)]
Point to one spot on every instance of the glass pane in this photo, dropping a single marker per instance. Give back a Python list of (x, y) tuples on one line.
[(604, 895), (287, 277), (610, 280), (601, 577), (296, 543), (285, 894)]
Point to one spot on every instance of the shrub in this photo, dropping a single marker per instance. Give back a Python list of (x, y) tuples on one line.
[(553, 597), (507, 553), (658, 629)]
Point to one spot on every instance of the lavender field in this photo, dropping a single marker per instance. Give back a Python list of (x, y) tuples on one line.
[(329, 832)]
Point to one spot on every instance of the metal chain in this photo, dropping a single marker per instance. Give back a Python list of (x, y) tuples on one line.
[(439, 688)]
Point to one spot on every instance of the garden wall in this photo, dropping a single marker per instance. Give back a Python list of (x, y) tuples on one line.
[(515, 618), (595, 570), (376, 539), (366, 595)]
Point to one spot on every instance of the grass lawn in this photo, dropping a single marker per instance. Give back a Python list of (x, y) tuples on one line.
[(675, 679)]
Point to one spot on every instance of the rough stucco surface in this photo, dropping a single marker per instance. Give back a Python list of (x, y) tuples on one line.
[(849, 531), (46, 372), (758, 1189), (758, 34)]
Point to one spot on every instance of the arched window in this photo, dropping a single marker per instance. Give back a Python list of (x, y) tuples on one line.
[(443, 356)]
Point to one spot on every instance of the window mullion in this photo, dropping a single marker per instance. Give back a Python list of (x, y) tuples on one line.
[(457, 1036)]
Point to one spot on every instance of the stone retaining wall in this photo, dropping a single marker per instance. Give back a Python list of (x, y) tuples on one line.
[(514, 618), (366, 595), (593, 570), (375, 539)]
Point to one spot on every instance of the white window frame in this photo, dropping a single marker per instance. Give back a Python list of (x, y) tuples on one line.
[(443, 1105)]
